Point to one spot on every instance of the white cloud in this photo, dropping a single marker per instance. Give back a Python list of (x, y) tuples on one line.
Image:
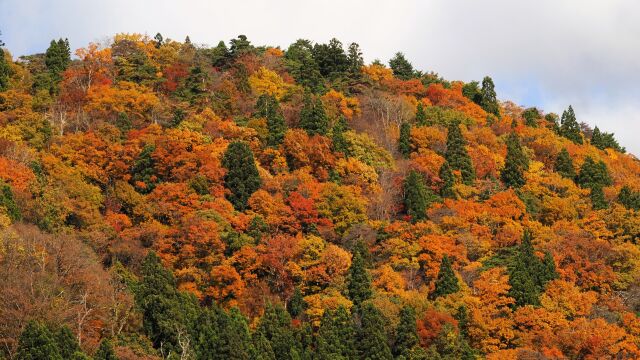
[(547, 53)]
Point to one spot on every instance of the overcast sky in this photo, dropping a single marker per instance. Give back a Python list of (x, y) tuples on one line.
[(544, 53)]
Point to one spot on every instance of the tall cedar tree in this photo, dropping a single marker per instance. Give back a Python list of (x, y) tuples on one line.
[(242, 178), (564, 165), (37, 343), (313, 118), (421, 115), (355, 61), (275, 326), (167, 314), (593, 174), (8, 202), (338, 141), (57, 58), (105, 351), (528, 275), (598, 201), (516, 163), (221, 335), (569, 127), (5, 71), (358, 281), (448, 181), (406, 337), (402, 68), (489, 97), (303, 67), (603, 140), (268, 107), (531, 116), (417, 196), (457, 156), (629, 199), (143, 173), (336, 335), (67, 342), (447, 282), (371, 337), (404, 142), (331, 59), (296, 304)]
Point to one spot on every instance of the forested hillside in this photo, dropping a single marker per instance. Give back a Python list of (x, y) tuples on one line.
[(168, 200)]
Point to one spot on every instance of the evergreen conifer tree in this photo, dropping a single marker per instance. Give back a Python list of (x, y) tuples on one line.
[(447, 282), (404, 142), (489, 97), (358, 281), (268, 107), (67, 342), (143, 171), (338, 140), (275, 326), (371, 338), (57, 58), (564, 165), (598, 201), (421, 115), (8, 203), (516, 163), (629, 199), (417, 197), (37, 343), (448, 181), (531, 116), (528, 275), (335, 336), (569, 127), (296, 303), (5, 71), (406, 337), (402, 68), (242, 177), (457, 156), (313, 118), (105, 351), (593, 174)]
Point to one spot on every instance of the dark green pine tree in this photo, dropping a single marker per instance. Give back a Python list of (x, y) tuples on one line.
[(37, 343), (67, 342), (457, 156), (313, 118), (338, 141), (358, 281), (335, 336), (268, 107), (167, 314), (355, 61), (262, 348), (593, 174), (221, 335), (629, 199), (275, 326), (7, 201), (406, 336), (5, 71), (421, 115), (597, 139), (296, 303), (531, 117), (489, 97), (331, 59), (57, 58), (569, 127), (242, 178), (303, 67), (402, 68), (416, 196), (371, 339), (450, 345), (528, 275), (564, 165), (143, 173), (448, 181), (447, 282), (516, 163), (105, 351), (598, 201), (404, 142)]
